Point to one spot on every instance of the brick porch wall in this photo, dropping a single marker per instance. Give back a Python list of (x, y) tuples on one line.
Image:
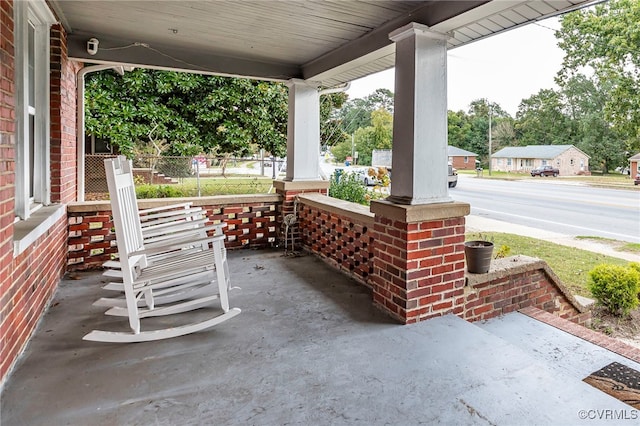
[(289, 191), (416, 271), (340, 232), (519, 282), (251, 223), (28, 279)]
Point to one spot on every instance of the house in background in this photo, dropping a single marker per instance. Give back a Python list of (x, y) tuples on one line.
[(462, 159), (459, 158), (522, 159), (634, 166)]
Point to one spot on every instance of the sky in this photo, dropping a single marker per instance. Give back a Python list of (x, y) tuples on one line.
[(504, 68)]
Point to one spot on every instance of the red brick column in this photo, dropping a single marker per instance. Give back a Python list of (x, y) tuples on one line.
[(288, 191), (419, 264), (63, 119)]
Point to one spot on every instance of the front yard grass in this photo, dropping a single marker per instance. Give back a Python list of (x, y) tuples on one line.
[(572, 265), (611, 180)]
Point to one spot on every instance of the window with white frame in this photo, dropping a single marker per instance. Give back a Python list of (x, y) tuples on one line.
[(33, 20), (508, 161), (466, 159)]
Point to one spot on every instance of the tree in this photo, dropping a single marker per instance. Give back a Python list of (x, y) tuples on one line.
[(471, 131), (377, 136), (331, 127), (356, 113), (606, 38), (477, 140), (458, 128), (193, 113), (540, 120), (504, 133), (585, 100)]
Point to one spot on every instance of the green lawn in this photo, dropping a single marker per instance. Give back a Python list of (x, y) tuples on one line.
[(188, 187), (612, 180), (572, 265)]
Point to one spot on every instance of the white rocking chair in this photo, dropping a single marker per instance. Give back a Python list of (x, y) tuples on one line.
[(183, 275), (160, 225)]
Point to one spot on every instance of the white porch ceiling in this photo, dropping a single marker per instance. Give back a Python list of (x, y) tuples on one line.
[(332, 42)]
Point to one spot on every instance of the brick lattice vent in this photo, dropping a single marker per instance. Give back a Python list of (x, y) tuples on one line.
[(339, 239), (251, 223)]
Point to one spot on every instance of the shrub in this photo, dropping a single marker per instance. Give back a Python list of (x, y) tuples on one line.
[(503, 252), (160, 191), (615, 287), (347, 187)]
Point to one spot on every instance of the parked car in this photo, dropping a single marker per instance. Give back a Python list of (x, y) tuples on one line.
[(452, 177), (359, 174), (365, 177), (545, 171)]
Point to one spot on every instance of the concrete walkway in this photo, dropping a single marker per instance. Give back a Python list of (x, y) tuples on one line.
[(307, 349), (477, 223)]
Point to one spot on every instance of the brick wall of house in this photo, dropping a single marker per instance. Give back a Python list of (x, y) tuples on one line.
[(459, 163), (634, 167), (519, 282), (7, 143), (571, 162), (251, 223), (63, 119), (340, 236), (29, 279), (34, 277)]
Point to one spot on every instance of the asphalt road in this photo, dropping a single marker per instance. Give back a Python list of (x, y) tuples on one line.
[(551, 204)]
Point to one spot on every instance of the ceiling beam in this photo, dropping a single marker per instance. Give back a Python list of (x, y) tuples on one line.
[(430, 14), (119, 51)]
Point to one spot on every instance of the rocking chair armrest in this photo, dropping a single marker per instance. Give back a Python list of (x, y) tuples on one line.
[(177, 244)]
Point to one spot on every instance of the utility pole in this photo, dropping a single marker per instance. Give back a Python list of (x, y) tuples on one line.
[(352, 146), (489, 139)]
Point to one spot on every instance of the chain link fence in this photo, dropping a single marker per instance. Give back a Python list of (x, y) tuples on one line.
[(159, 176)]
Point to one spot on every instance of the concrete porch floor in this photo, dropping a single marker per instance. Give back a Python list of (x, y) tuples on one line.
[(308, 349)]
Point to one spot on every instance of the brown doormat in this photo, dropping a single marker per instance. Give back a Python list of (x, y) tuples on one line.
[(619, 381)]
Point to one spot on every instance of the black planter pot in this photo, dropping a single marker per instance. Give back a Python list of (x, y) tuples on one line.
[(478, 255)]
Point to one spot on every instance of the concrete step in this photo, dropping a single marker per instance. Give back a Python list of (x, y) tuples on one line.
[(560, 351), (503, 382)]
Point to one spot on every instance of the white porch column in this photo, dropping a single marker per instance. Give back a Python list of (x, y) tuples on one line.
[(303, 131), (420, 157)]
